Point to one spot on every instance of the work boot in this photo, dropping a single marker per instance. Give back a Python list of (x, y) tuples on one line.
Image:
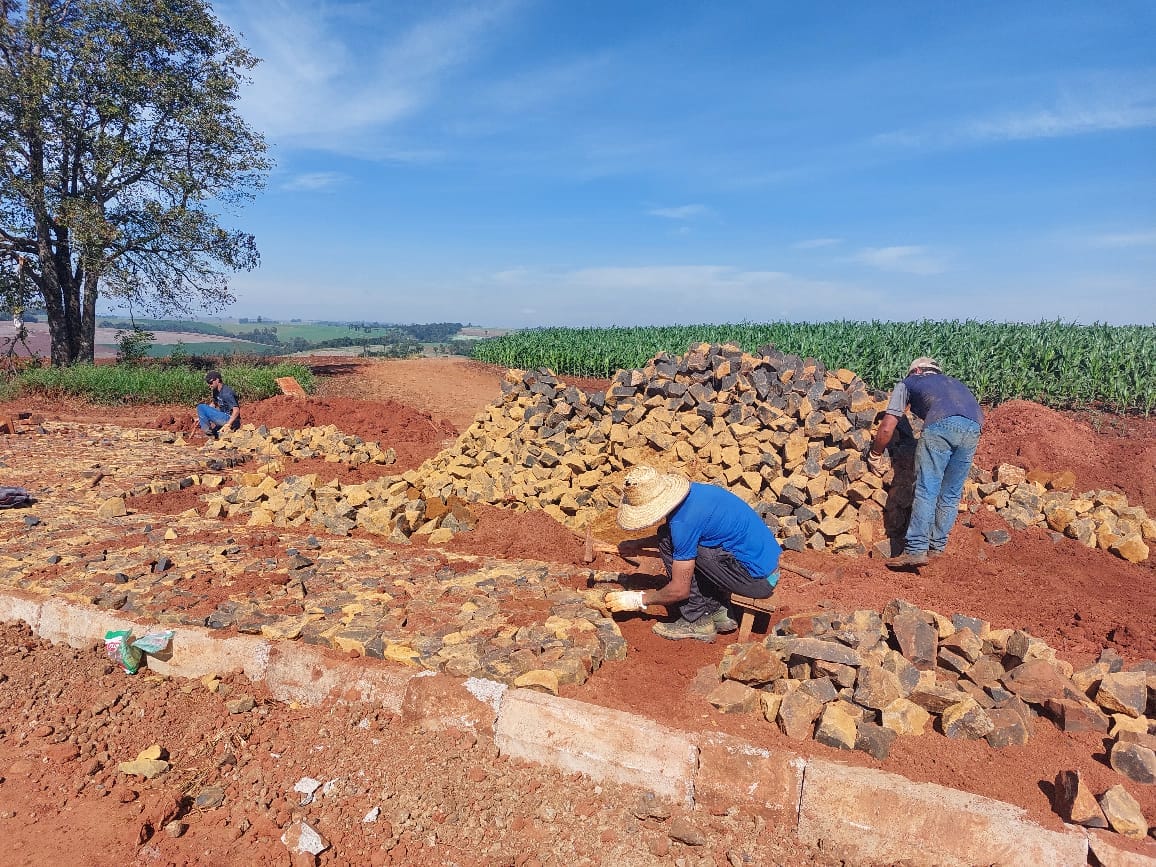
[(723, 622), (700, 630), (908, 560), (933, 553)]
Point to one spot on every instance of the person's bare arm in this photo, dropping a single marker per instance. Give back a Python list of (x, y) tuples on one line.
[(883, 435), (676, 589), (233, 416)]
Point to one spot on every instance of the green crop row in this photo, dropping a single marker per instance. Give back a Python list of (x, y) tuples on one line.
[(1058, 364), (127, 383)]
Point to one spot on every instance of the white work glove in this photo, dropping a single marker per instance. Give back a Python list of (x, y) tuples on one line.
[(877, 463), (625, 600)]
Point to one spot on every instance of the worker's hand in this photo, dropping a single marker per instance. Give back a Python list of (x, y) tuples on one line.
[(878, 463), (625, 600)]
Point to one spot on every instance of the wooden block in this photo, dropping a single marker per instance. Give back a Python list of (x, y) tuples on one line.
[(290, 386), (7, 425), (752, 608)]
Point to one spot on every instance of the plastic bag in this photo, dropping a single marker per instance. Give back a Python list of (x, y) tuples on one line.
[(120, 648)]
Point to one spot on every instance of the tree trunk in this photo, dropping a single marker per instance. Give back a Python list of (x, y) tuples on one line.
[(86, 347), (49, 284)]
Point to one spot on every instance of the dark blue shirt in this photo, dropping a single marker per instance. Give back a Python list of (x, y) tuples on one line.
[(934, 396), (226, 399)]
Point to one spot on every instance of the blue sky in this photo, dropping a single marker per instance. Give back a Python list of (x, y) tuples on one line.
[(520, 163)]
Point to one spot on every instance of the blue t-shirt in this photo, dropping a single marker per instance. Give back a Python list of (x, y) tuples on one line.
[(713, 517)]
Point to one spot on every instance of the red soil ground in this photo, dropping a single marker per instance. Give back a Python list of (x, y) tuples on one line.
[(1077, 600)]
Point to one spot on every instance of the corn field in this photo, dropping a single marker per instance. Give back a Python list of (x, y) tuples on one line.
[(1058, 364)]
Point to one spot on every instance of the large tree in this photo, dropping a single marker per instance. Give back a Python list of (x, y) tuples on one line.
[(120, 147)]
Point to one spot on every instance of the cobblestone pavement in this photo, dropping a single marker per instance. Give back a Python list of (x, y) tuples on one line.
[(465, 615)]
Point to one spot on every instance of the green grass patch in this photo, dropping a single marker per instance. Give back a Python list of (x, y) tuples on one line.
[(127, 383), (233, 347)]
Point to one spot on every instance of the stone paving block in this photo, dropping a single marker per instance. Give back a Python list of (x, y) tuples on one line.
[(437, 702), (882, 818), (1110, 851), (195, 652), (599, 742), (733, 772), (19, 607), (309, 675), (67, 623)]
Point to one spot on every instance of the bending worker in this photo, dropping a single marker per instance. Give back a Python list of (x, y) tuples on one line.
[(951, 423), (711, 542)]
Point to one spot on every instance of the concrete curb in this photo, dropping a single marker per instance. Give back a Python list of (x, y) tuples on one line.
[(872, 815), (596, 741)]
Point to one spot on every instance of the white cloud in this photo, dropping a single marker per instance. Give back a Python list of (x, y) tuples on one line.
[(1101, 105), (1127, 239), (816, 243), (314, 182), (335, 77), (681, 212), (906, 260)]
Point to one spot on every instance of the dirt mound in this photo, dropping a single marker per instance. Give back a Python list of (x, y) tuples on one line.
[(413, 434), (531, 535), (1035, 437)]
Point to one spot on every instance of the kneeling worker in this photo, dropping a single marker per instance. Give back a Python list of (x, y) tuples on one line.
[(711, 542)]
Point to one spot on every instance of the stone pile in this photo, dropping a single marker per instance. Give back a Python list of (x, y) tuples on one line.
[(782, 432), (1098, 519), (858, 680), (385, 506), (325, 442)]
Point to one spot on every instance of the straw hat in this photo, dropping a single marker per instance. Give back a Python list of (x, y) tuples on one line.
[(924, 363), (648, 496)]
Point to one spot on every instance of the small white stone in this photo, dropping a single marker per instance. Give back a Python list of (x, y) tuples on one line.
[(372, 815), (302, 837), (307, 786)]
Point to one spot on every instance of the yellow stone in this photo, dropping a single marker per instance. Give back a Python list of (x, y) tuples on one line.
[(260, 518), (795, 448), (905, 717), (402, 653), (147, 768), (541, 679), (113, 507), (150, 753), (1131, 549)]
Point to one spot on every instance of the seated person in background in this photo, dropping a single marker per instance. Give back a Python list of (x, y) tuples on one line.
[(711, 542), (223, 411)]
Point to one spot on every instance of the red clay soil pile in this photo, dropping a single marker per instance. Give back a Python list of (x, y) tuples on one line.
[(1032, 436)]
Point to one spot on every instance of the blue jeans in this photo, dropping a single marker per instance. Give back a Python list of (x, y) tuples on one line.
[(942, 461), (211, 419)]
